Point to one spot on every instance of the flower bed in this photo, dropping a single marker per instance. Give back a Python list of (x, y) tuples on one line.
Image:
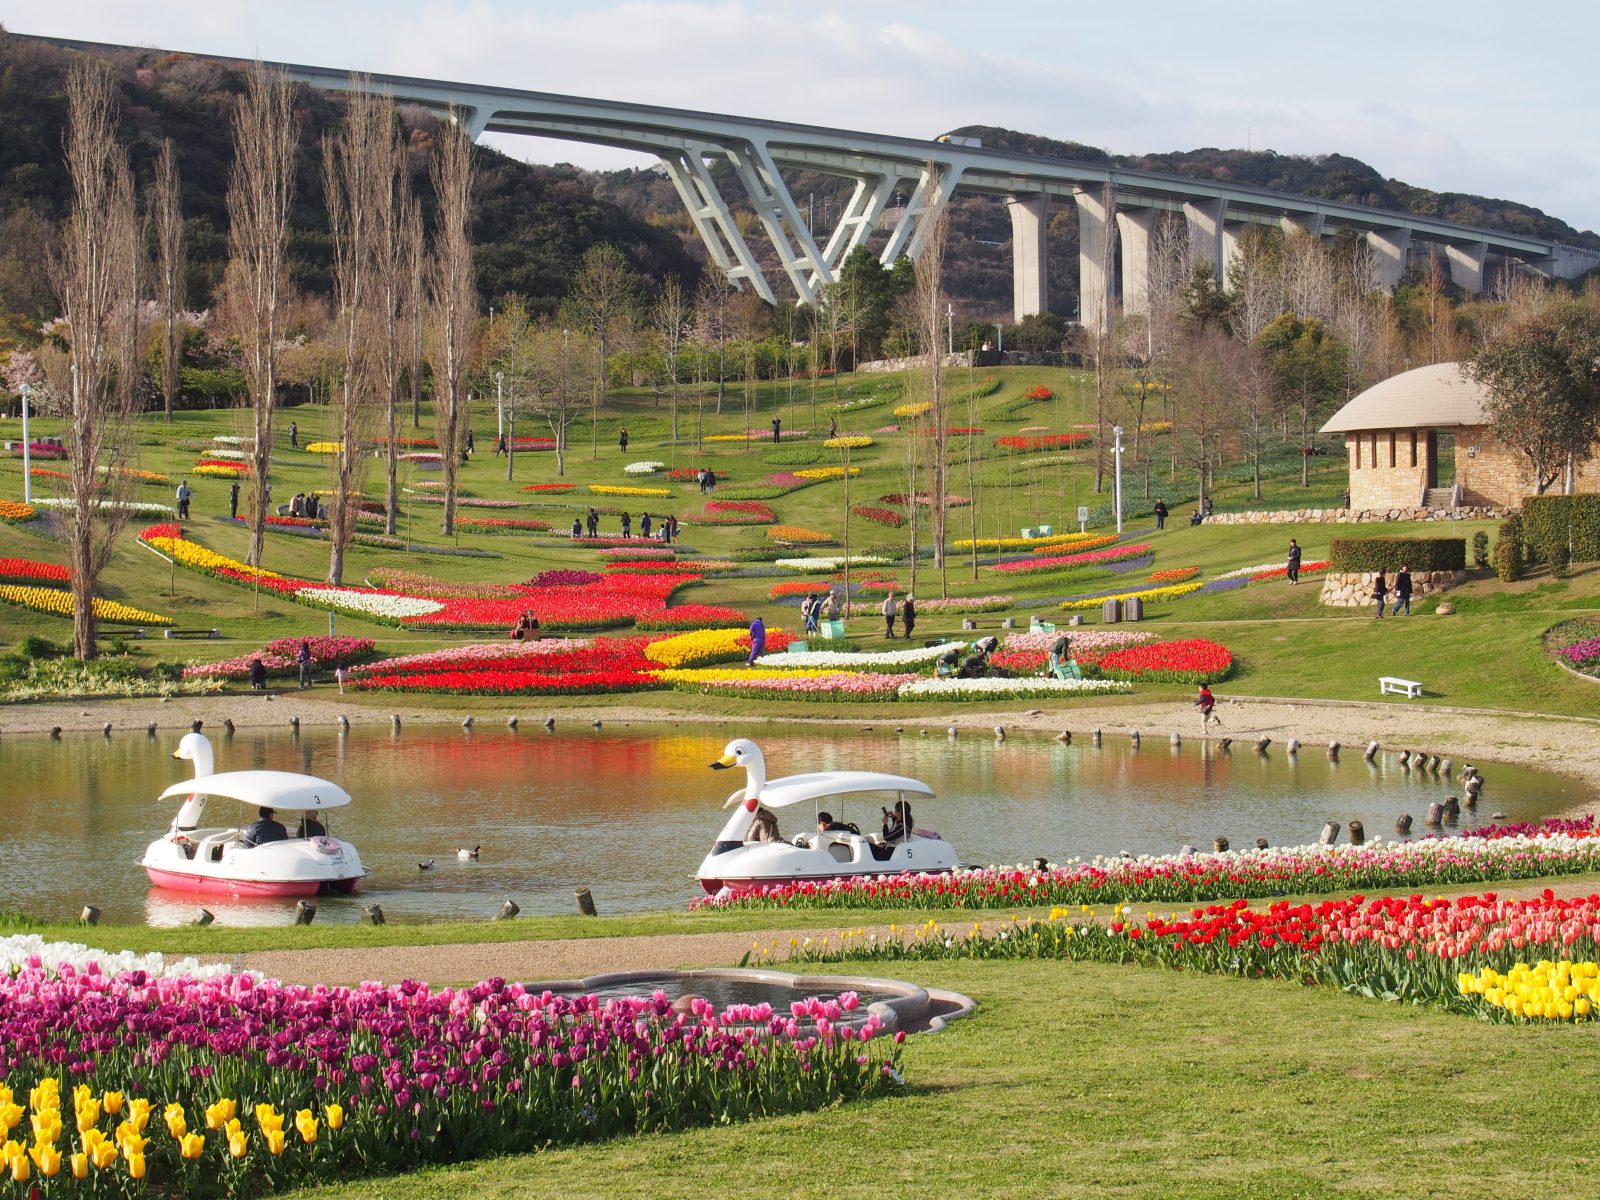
[(1282, 572), (691, 474), (1173, 575), (1010, 689), (554, 489), (848, 441), (641, 553), (1056, 542), (47, 450), (706, 646), (954, 604), (644, 468), (1084, 641), (60, 603), (835, 660), (1575, 644), (324, 447), (882, 516), (755, 683), (15, 510), (823, 566), (278, 657), (1040, 441), (138, 508), (27, 571), (797, 535), (463, 658), (610, 489), (692, 616), (916, 408), (734, 512), (817, 474), (467, 502), (1171, 592), (1188, 660), (1065, 562), (1237, 874), (503, 524), (339, 1083), (220, 468)]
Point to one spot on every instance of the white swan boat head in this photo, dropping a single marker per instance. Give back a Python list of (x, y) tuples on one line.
[(268, 858), (749, 854)]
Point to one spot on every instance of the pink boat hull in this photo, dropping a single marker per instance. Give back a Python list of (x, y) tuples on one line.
[(180, 881)]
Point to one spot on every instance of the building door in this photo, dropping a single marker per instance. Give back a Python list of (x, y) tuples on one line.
[(1433, 459)]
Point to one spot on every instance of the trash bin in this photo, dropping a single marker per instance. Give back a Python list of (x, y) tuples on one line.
[(1133, 609), (1027, 532), (835, 629), (798, 647), (1111, 611)]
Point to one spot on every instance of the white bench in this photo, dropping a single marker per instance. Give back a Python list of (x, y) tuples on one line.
[(1391, 683)]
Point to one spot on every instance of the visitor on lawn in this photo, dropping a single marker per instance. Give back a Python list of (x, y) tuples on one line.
[(908, 614), (1207, 704), (889, 609), (1402, 590), (1380, 592), (758, 641), (1294, 561), (1161, 514), (622, 440)]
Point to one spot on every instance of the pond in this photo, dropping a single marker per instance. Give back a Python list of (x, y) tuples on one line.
[(629, 811)]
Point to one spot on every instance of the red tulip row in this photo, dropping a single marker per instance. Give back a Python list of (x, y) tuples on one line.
[(25, 570), (1041, 441)]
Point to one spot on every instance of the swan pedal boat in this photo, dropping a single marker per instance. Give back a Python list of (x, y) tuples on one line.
[(740, 864), (190, 857)]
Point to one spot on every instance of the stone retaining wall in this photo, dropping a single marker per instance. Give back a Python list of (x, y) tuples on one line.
[(1346, 516), (1353, 589)]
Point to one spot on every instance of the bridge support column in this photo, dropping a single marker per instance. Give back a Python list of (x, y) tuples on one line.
[(1466, 265), (775, 209), (1030, 256), (1206, 218), (934, 184), (1096, 258), (713, 219), (1135, 227), (860, 218), (1389, 247), (1233, 234), (1311, 223)]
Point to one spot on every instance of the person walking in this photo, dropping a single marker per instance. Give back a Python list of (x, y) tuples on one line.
[(627, 526), (1402, 591), (777, 429), (297, 504), (758, 641), (833, 427), (889, 609), (594, 523), (1207, 704), (1294, 561), (908, 614), (1161, 514), (500, 447), (830, 606), (183, 495), (808, 612), (294, 434), (303, 657), (472, 446), (622, 440), (700, 478), (644, 525), (672, 528), (233, 501), (1380, 592)]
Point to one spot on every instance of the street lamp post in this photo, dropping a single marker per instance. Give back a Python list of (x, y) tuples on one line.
[(1116, 433), (27, 472), (999, 338), (511, 430), (950, 328), (499, 404)]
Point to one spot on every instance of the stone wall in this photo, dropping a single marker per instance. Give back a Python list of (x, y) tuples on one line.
[(1347, 516), (1388, 468), (883, 366), (1353, 589)]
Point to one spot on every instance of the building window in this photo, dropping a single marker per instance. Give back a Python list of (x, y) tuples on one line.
[(1391, 448), (1374, 447), (1413, 447), (1356, 442)]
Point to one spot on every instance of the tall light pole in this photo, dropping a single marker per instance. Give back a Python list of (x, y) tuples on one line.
[(27, 471), (999, 337), (1116, 433), (511, 428), (499, 404), (950, 328)]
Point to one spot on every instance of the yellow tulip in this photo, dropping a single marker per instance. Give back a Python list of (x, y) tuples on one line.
[(80, 1166), (46, 1125), (238, 1144), (306, 1123), (10, 1116), (275, 1141), (218, 1114), (138, 1112), (104, 1154), (268, 1118), (47, 1159), (177, 1122), (130, 1139), (190, 1145), (21, 1168), (88, 1113), (46, 1095), (113, 1103), (136, 1166), (1582, 1007), (335, 1115)]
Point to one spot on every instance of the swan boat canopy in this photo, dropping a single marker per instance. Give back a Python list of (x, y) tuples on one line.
[(749, 855), (283, 858)]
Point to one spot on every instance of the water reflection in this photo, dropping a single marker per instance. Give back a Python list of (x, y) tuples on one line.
[(629, 811)]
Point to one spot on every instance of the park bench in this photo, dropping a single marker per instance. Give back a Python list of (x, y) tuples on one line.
[(1392, 683), (191, 633)]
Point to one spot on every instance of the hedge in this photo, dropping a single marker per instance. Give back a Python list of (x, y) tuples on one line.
[(1390, 554), (1551, 523)]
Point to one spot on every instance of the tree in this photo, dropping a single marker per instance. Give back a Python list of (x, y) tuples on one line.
[(166, 214), (394, 216), (452, 302), (557, 382), (260, 189), (711, 301), (930, 303), (96, 280), (356, 164), (603, 290), (672, 324), (1209, 367), (1306, 364), (1543, 377)]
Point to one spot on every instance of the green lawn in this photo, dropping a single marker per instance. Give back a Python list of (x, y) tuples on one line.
[(1091, 1080)]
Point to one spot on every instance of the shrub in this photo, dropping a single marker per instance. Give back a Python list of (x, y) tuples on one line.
[(1570, 522), (1390, 554), (34, 646), (1508, 564), (1480, 550)]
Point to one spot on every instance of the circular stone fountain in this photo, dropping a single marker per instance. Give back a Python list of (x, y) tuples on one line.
[(897, 1004)]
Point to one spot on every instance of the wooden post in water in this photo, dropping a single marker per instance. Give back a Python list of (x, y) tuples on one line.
[(586, 902)]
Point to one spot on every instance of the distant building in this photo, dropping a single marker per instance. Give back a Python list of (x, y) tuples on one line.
[(1422, 439)]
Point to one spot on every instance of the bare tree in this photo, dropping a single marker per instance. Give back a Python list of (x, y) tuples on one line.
[(259, 192), (557, 365), (96, 280), (166, 213), (1209, 368), (929, 302), (417, 308), (394, 211), (711, 317), (357, 165), (672, 324), (603, 290), (452, 302)]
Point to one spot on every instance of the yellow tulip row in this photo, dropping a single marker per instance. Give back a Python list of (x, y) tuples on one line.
[(1554, 991), (1065, 542), (915, 409), (100, 1151), (60, 603), (15, 510), (325, 448), (1174, 592), (194, 555), (848, 441), (825, 472), (615, 489), (698, 648)]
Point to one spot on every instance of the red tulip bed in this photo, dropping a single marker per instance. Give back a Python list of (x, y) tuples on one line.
[(25, 570), (1041, 441), (278, 657), (502, 524), (1469, 954), (554, 489), (691, 474), (1190, 660), (1310, 568), (603, 666), (733, 512), (881, 516), (1065, 562), (692, 616)]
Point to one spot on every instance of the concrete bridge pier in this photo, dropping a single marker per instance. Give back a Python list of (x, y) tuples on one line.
[(1389, 247), (1135, 227), (1206, 219), (1030, 259), (1466, 265), (1096, 257)]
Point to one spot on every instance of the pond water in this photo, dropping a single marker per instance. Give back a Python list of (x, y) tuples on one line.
[(629, 811)]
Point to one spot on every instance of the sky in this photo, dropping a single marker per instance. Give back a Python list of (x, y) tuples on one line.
[(1468, 96)]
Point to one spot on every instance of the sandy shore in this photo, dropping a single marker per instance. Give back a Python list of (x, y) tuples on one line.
[(1570, 745)]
